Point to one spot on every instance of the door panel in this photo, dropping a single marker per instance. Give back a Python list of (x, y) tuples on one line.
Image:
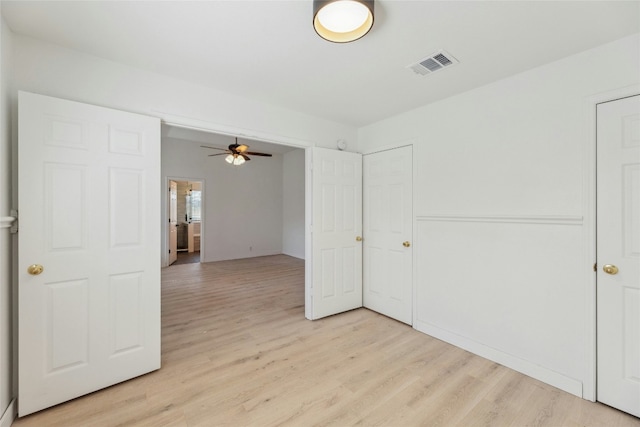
[(65, 206), (89, 193), (336, 222), (126, 324), (618, 240), (67, 342), (388, 223)]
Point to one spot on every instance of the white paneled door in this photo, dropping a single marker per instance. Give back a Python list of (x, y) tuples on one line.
[(173, 222), (618, 249), (336, 232), (387, 222), (89, 258)]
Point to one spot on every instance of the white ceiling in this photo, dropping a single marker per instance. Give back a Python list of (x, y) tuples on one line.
[(267, 50)]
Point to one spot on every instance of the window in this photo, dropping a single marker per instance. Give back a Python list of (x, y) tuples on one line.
[(194, 205)]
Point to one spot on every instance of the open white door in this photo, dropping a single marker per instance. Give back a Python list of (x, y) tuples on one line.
[(618, 240), (336, 232), (388, 230), (173, 222), (89, 206)]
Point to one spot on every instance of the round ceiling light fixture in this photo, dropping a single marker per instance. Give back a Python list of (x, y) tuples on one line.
[(342, 21)]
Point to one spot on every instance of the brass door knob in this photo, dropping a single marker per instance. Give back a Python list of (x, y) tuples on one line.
[(406, 244), (610, 269), (35, 269), (358, 239)]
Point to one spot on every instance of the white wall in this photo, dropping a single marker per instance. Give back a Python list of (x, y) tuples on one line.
[(502, 219), (7, 347), (55, 71), (242, 204), (293, 204)]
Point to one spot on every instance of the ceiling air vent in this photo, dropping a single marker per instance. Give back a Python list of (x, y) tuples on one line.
[(433, 63)]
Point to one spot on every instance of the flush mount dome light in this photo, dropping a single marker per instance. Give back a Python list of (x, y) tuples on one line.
[(342, 21)]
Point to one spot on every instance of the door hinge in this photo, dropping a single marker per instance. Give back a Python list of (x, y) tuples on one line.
[(169, 250), (14, 225), (595, 267)]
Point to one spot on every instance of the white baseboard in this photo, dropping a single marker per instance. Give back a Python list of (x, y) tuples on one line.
[(9, 415), (538, 372), (294, 255)]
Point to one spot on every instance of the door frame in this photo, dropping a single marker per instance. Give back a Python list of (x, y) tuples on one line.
[(165, 201), (416, 244), (212, 127), (168, 224), (589, 387)]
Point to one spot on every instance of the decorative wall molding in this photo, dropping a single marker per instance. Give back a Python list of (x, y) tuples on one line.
[(505, 219), (6, 221)]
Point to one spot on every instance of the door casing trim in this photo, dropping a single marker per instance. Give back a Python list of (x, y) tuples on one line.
[(168, 179), (589, 388)]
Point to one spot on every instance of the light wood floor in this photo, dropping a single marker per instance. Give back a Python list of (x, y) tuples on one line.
[(237, 351), (187, 258)]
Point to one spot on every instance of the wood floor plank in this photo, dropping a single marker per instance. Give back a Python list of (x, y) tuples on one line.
[(237, 351)]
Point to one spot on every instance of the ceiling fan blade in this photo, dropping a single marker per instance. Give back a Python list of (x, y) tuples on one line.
[(219, 154), (214, 148), (245, 156), (251, 153), (242, 148)]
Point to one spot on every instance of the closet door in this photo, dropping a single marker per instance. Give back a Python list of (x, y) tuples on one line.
[(388, 231), (336, 232)]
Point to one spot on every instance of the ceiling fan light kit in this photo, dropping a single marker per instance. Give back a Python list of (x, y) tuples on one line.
[(342, 21), (235, 160)]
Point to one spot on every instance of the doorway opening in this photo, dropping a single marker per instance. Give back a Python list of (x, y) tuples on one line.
[(189, 214), (250, 210), (184, 224)]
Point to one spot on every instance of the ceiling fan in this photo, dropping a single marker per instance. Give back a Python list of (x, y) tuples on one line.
[(236, 154)]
